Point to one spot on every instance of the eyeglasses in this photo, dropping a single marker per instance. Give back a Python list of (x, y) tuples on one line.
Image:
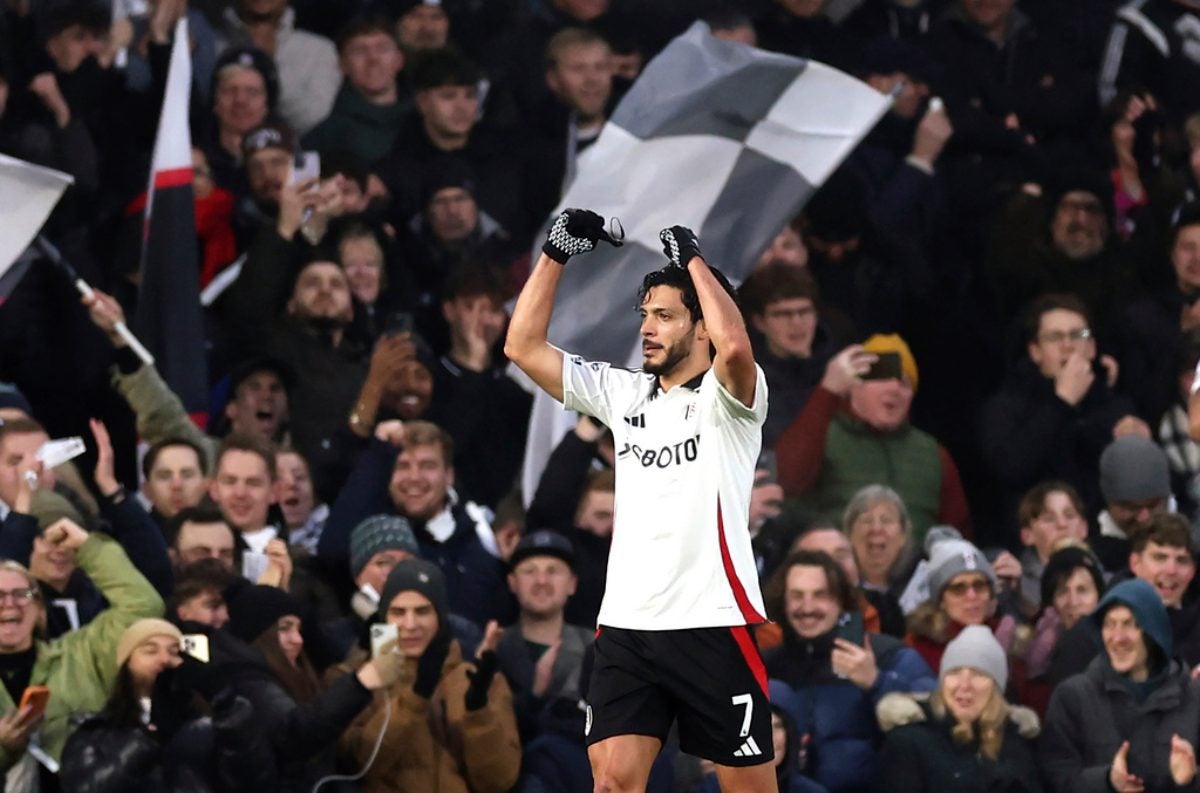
[(960, 588), (1059, 336), (22, 597), (790, 313)]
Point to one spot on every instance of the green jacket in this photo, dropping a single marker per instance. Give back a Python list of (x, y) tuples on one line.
[(160, 414), (356, 125), (905, 459), (80, 667)]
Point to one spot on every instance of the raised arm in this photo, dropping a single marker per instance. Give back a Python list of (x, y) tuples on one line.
[(526, 344), (575, 231), (734, 362)]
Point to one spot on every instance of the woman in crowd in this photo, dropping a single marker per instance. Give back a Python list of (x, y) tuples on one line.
[(152, 735), (965, 737), (79, 667), (1072, 583), (302, 720), (877, 523), (962, 592)]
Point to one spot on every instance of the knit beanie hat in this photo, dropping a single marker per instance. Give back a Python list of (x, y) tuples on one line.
[(380, 533), (948, 558), (1133, 468), (1062, 563), (417, 575), (975, 646), (892, 342), (255, 608), (142, 630)]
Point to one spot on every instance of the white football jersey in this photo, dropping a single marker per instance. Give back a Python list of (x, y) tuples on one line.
[(681, 555)]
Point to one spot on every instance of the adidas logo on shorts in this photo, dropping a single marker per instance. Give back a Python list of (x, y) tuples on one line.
[(749, 749)]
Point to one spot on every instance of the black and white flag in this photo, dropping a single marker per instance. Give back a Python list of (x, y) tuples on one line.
[(721, 137)]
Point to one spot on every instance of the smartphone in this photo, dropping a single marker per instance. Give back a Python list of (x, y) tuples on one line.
[(399, 324), (36, 698), (886, 367), (56, 452), (196, 645), (307, 165), (850, 627), (381, 634)]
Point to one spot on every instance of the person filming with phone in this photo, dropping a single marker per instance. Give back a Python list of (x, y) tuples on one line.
[(854, 431), (827, 658), (151, 735)]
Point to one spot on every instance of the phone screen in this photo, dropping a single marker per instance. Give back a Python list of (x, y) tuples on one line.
[(307, 166), (886, 367)]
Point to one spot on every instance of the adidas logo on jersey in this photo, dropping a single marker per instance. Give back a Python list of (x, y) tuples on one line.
[(748, 749), (638, 421)]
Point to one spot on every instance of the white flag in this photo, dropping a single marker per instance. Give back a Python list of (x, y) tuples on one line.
[(27, 195), (726, 139)]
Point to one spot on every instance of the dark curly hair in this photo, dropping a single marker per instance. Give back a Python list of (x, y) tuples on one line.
[(679, 278)]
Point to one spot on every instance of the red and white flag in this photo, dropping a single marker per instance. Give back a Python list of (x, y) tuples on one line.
[(168, 318)]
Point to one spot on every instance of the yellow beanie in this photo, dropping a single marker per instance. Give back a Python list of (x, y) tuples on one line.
[(142, 630), (891, 342)]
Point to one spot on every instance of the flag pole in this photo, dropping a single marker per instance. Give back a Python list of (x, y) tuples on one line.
[(84, 288)]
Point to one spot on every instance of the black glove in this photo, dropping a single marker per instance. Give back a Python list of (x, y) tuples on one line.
[(575, 231), (481, 680), (680, 244), (429, 667)]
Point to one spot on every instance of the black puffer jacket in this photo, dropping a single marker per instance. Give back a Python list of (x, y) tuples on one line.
[(226, 752), (920, 754)]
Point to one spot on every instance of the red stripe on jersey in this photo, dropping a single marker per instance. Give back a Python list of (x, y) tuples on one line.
[(173, 177), (750, 652), (751, 616)]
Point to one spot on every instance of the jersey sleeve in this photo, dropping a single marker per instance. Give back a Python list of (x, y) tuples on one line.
[(729, 407), (596, 388)]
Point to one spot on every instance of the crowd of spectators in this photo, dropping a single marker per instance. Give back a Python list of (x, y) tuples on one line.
[(984, 583)]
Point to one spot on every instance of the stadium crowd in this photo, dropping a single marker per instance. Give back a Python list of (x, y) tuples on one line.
[(977, 511)]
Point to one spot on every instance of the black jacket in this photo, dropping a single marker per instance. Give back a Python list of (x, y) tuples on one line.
[(923, 757), (1029, 435), (223, 752), (1091, 714)]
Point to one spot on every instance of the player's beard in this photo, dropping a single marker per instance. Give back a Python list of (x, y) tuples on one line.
[(673, 356)]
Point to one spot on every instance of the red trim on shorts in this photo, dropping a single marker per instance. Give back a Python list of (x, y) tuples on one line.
[(750, 652), (751, 616)]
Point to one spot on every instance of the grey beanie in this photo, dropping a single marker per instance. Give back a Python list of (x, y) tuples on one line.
[(977, 648), (1133, 468), (950, 557), (380, 533)]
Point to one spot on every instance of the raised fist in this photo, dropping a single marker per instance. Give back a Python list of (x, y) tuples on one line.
[(680, 244), (575, 231)]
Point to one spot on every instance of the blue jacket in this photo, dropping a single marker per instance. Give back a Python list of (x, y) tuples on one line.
[(837, 716)]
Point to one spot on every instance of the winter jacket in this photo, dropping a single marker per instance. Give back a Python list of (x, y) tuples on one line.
[(357, 125), (436, 745), (1029, 435), (1091, 714), (223, 752), (836, 715), (1152, 46), (827, 455), (921, 756), (80, 667)]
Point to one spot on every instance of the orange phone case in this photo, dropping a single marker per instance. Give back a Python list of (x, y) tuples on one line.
[(37, 696)]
